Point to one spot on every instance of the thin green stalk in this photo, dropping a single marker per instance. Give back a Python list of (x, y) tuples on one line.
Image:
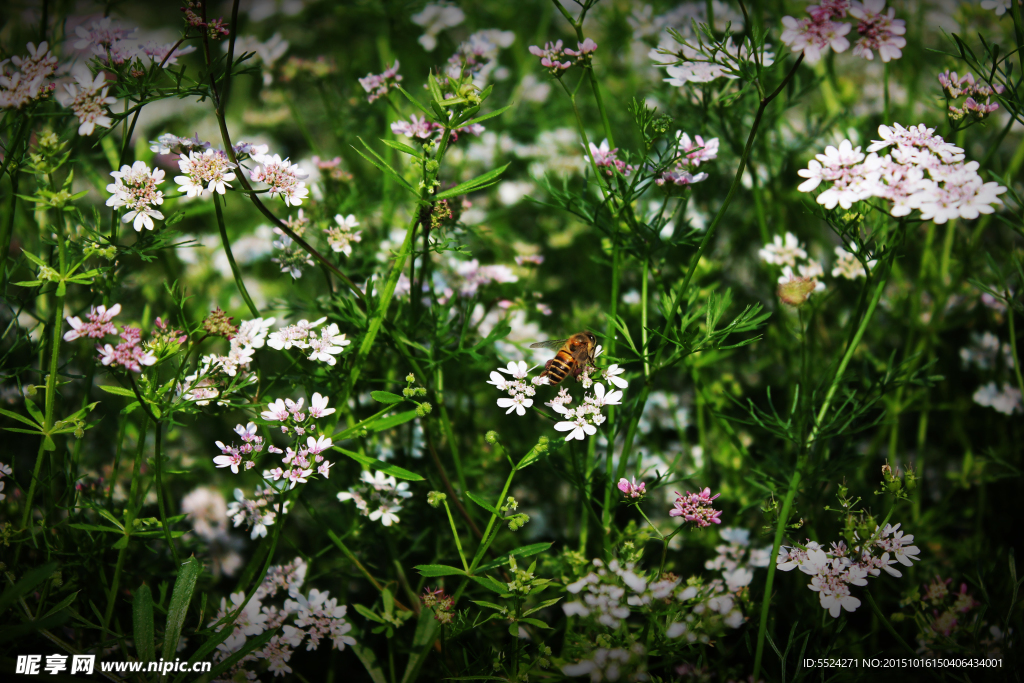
[(643, 317), (231, 258), (455, 535), (780, 528), (161, 503), (1013, 346), (609, 342), (51, 377), (794, 482), (888, 625), (487, 539), (446, 426), (134, 503), (12, 161), (378, 317)]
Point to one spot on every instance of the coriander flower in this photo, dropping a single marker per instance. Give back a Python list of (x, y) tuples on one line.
[(434, 18), (518, 403), (135, 188), (99, 324), (208, 171), (611, 373), (283, 177), (576, 424), (341, 237), (318, 406), (88, 100)]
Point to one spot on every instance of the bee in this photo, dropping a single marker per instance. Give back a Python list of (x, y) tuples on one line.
[(574, 355)]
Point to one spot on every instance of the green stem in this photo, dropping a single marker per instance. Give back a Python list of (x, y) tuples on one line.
[(378, 317), (888, 624), (486, 542), (12, 162), (161, 503), (129, 522), (455, 535), (446, 426), (643, 317), (766, 602), (231, 258), (1013, 344)]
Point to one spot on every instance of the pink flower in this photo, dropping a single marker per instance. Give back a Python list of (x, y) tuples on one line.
[(128, 354), (551, 54), (879, 31), (696, 508), (99, 324), (814, 35), (631, 489), (378, 85)]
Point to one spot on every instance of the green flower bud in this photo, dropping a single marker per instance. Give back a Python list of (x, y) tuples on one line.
[(423, 409), (491, 437), (435, 498)]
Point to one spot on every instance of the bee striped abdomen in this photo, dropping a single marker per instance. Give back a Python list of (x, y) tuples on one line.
[(559, 367)]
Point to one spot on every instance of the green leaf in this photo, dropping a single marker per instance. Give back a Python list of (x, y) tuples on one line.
[(422, 640), (513, 629), (369, 660), (494, 113), (184, 586), (386, 397), (433, 570), (19, 418), (419, 105), (93, 527), (393, 470), (63, 604), (130, 408), (480, 182), (402, 148), (490, 584), (26, 584), (534, 622), (489, 605), (368, 613), (523, 551), (482, 503), (119, 391), (34, 411), (392, 421), (379, 162), (142, 624)]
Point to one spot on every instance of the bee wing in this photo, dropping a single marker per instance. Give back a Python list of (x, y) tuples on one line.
[(549, 344)]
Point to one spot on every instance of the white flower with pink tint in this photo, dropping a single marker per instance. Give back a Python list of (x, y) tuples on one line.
[(88, 99), (879, 30), (318, 406), (99, 324), (283, 178), (208, 171)]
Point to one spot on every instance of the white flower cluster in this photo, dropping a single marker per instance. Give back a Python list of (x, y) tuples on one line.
[(985, 351), (245, 455), (698, 62), (579, 422), (737, 560), (209, 382), (110, 43), (282, 178), (306, 455), (609, 592), (30, 81), (5, 471), (207, 510), (834, 571), (89, 100), (259, 512), (314, 617), (341, 237), (609, 664), (922, 172), (378, 497), (135, 188), (302, 335), (1006, 400)]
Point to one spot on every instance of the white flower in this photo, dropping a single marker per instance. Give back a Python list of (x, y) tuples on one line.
[(283, 177), (135, 188), (88, 101), (611, 373), (783, 253), (612, 398), (208, 171), (578, 428), (232, 460), (518, 403), (276, 411), (517, 370), (385, 515), (434, 18), (318, 406)]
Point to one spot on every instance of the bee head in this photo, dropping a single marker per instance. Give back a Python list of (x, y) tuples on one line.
[(590, 337)]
